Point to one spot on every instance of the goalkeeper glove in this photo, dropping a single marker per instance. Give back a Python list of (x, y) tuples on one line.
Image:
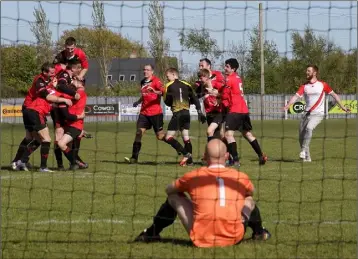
[(201, 117)]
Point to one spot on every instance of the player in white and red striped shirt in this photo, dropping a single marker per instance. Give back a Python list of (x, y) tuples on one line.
[(314, 92)]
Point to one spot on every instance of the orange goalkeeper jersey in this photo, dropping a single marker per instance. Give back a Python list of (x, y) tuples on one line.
[(218, 196)]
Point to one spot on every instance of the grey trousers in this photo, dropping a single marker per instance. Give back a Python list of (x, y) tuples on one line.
[(307, 125)]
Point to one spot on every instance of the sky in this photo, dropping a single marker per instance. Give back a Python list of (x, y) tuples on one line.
[(229, 22)]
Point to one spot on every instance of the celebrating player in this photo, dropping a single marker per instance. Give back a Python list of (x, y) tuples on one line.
[(151, 113), (178, 95), (237, 117), (220, 205), (65, 78), (43, 79), (69, 54), (216, 78), (212, 104), (314, 92), (35, 118), (74, 125)]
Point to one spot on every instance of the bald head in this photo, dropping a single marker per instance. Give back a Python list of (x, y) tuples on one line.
[(216, 151)]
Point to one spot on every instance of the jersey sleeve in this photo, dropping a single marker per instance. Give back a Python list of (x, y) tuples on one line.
[(219, 82), (225, 97), (81, 104), (193, 98), (62, 84), (158, 86), (41, 88), (83, 59), (245, 181), (300, 91), (326, 88), (183, 183)]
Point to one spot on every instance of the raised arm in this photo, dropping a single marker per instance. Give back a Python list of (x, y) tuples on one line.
[(294, 98), (338, 100)]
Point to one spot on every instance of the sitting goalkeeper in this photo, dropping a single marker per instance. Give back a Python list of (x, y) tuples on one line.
[(220, 208)]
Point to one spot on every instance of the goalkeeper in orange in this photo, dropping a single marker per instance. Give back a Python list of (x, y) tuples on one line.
[(220, 207)]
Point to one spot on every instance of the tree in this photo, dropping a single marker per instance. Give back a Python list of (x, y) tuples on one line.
[(253, 65), (119, 47), (336, 67), (200, 41), (240, 52), (40, 29), (158, 45), (18, 68), (101, 42)]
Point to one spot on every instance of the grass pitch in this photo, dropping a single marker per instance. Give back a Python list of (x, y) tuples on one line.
[(309, 208)]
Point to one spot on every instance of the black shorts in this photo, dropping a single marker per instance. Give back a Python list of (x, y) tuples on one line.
[(147, 122), (25, 119), (73, 132), (214, 117), (34, 121), (238, 121), (179, 121), (57, 119)]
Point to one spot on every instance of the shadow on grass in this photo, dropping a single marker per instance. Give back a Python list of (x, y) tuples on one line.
[(152, 163)]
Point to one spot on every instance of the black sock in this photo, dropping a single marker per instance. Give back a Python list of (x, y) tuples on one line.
[(255, 145), (136, 149), (69, 154), (26, 154), (177, 146), (76, 147), (58, 155), (45, 150), (255, 222), (188, 147), (232, 148), (210, 138), (166, 216), (22, 148), (34, 144)]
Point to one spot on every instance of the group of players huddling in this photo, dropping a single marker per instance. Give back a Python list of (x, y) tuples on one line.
[(225, 107), (59, 90)]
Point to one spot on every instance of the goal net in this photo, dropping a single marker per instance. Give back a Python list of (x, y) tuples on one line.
[(308, 207)]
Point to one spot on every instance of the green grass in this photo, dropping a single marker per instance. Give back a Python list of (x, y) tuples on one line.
[(310, 208)]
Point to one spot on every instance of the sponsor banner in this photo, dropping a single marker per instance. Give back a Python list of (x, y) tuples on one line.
[(101, 109), (350, 104), (129, 110), (297, 107), (11, 110), (192, 109)]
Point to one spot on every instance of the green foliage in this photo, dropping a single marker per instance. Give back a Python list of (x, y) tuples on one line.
[(119, 47), (200, 41), (18, 68), (282, 75), (41, 30), (158, 45)]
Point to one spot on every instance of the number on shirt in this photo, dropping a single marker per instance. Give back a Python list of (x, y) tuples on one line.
[(181, 95), (221, 191)]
